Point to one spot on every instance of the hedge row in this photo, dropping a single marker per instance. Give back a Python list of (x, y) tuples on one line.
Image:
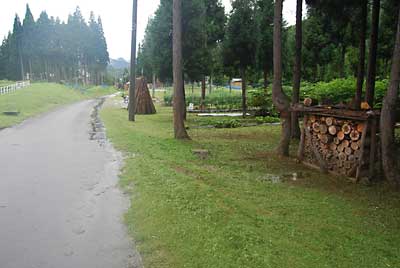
[(336, 91)]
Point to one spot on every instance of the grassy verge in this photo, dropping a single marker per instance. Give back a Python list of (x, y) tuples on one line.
[(226, 211), (39, 98)]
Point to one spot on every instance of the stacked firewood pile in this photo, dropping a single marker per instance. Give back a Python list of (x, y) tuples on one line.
[(335, 144)]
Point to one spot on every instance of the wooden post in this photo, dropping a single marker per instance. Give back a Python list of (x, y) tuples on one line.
[(361, 159), (372, 149), (300, 153)]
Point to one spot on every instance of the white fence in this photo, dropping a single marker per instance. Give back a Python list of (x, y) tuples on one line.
[(14, 87)]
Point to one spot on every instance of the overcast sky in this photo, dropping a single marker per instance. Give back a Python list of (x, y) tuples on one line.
[(115, 14)]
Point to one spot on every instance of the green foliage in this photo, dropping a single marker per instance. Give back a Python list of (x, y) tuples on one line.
[(339, 90), (203, 21), (6, 83), (267, 119), (240, 44), (51, 50), (218, 99), (261, 98), (228, 123), (218, 45), (335, 92)]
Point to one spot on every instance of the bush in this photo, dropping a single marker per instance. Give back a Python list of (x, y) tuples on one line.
[(267, 120), (340, 90), (231, 123), (218, 99), (335, 91)]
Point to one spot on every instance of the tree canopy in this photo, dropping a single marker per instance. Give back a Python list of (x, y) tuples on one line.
[(48, 49)]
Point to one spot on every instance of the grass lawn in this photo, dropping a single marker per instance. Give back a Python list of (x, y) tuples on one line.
[(41, 97), (226, 212)]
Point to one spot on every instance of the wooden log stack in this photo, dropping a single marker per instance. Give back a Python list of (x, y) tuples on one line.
[(338, 142)]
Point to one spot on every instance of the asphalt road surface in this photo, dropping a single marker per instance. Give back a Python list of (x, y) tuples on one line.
[(59, 201)]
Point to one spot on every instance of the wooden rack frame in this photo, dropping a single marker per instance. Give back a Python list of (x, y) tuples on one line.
[(357, 141)]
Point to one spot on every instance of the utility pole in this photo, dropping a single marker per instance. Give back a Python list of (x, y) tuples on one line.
[(132, 93)]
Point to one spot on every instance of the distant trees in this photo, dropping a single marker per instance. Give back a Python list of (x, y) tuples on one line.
[(48, 49), (203, 21), (331, 41), (264, 20)]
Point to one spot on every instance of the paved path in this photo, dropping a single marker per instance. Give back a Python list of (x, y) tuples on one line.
[(59, 204)]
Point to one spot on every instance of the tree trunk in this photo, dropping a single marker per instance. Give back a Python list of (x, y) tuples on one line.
[(179, 102), (184, 100), (132, 95), (295, 128), (230, 85), (30, 70), (21, 62), (265, 72), (154, 86), (361, 63), (370, 91), (203, 93), (281, 101), (244, 95), (343, 61), (387, 123), (210, 85), (46, 70)]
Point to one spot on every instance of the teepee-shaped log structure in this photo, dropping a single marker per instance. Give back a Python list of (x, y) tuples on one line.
[(144, 102)]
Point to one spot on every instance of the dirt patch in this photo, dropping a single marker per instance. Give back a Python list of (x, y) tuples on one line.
[(184, 171), (97, 127)]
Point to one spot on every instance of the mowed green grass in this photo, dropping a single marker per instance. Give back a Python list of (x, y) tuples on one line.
[(41, 97), (225, 212)]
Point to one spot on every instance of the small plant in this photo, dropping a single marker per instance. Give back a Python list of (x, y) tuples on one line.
[(267, 120), (232, 123)]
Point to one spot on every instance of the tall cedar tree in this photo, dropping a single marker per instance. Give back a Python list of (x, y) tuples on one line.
[(361, 49), (295, 128), (281, 101), (29, 31), (132, 87), (390, 162), (373, 48), (179, 101), (17, 32), (265, 19)]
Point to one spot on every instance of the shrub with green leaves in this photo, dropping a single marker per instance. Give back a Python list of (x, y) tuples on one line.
[(335, 91), (340, 90), (218, 99), (267, 119), (228, 123)]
